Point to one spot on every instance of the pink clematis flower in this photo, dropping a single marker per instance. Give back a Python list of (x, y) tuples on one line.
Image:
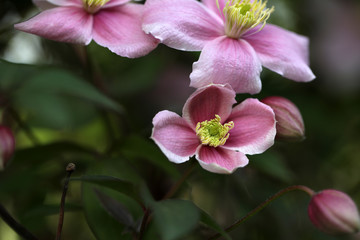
[(115, 24), (216, 133), (233, 38)]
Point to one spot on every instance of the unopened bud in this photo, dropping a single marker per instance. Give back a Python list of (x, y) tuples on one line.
[(7, 145), (334, 212), (289, 122)]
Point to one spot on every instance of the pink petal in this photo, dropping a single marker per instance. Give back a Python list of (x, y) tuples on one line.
[(64, 24), (211, 4), (254, 127), (119, 29), (283, 52), (220, 160), (182, 24), (174, 136), (114, 3), (226, 60), (207, 101)]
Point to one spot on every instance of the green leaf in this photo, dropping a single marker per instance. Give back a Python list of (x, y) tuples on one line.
[(114, 183), (66, 84), (117, 210), (101, 223), (207, 220), (174, 218), (57, 99), (52, 97)]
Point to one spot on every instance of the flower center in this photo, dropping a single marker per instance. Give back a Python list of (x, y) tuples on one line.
[(92, 6), (243, 15), (212, 132)]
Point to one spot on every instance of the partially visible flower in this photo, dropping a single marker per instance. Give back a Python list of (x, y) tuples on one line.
[(289, 122), (7, 145), (217, 134), (334, 212), (233, 38), (115, 24)]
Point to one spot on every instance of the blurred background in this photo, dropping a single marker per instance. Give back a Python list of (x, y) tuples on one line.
[(89, 106)]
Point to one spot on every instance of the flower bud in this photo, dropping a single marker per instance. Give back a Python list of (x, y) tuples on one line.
[(334, 212), (7, 145), (289, 122)]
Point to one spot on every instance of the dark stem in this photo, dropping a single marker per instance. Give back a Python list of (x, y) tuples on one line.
[(263, 205), (17, 227), (144, 223), (69, 169)]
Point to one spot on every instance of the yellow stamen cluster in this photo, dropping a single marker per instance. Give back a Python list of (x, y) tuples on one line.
[(243, 15), (92, 6), (212, 132)]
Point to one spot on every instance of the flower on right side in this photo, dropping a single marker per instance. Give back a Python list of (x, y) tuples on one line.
[(234, 39), (334, 212)]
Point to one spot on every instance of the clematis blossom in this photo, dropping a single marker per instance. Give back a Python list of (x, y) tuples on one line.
[(115, 24), (234, 40), (216, 133)]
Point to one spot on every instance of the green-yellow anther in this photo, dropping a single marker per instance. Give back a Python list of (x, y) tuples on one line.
[(93, 6), (212, 132), (243, 15)]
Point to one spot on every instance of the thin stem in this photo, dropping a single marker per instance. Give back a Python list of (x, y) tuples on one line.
[(144, 223), (17, 227), (178, 184), (69, 169), (263, 205)]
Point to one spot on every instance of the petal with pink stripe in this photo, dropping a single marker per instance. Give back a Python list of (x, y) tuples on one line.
[(208, 101), (220, 160), (254, 127), (174, 136), (226, 60)]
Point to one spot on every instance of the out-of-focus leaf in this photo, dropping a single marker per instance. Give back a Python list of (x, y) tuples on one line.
[(114, 183), (273, 165), (42, 153), (103, 225), (117, 210), (146, 195), (101, 222), (12, 75), (211, 223), (174, 218), (58, 99), (138, 147), (66, 84), (51, 97), (48, 210)]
